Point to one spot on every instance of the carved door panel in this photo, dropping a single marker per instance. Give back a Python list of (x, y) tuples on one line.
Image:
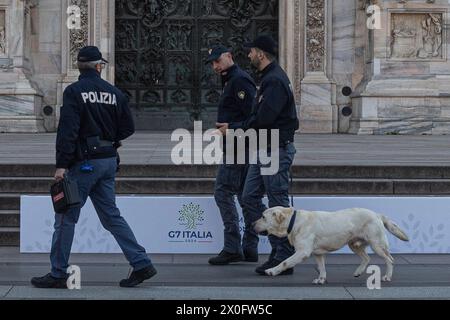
[(161, 46)]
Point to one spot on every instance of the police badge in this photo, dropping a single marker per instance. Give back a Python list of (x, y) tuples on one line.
[(241, 95)]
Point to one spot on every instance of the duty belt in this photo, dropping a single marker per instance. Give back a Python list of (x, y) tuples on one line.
[(106, 143)]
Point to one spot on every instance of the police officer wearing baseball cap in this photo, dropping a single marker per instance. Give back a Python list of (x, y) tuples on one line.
[(274, 108), (95, 117), (235, 105)]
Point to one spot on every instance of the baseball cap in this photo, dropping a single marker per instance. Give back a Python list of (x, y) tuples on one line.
[(216, 52), (264, 43), (90, 53)]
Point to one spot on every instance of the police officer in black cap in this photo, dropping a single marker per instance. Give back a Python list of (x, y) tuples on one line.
[(234, 106), (95, 117), (274, 108)]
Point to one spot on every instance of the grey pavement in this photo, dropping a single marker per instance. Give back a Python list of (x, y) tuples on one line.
[(155, 148), (226, 293), (189, 277)]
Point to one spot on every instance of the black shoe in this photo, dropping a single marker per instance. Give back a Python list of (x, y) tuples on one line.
[(225, 258), (250, 256), (48, 281), (137, 277), (271, 264)]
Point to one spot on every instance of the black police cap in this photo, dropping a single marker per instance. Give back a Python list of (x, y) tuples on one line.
[(264, 43), (89, 54), (216, 52)]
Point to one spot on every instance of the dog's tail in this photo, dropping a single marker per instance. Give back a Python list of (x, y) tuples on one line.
[(393, 228)]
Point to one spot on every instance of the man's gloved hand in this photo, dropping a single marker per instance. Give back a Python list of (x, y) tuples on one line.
[(117, 145), (118, 161)]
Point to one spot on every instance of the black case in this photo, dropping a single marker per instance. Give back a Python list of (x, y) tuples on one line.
[(65, 195)]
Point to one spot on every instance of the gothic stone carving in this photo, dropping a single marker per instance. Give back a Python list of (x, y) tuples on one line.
[(79, 38), (2, 32), (315, 35), (416, 36)]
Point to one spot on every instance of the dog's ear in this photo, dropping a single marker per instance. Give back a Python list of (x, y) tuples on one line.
[(279, 216)]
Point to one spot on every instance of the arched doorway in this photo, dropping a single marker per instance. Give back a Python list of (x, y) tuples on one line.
[(160, 50)]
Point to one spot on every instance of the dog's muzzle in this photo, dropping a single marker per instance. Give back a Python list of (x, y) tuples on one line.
[(262, 233)]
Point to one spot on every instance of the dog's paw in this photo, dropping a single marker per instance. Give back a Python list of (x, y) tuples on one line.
[(320, 281), (357, 274), (271, 272), (386, 279), (359, 271)]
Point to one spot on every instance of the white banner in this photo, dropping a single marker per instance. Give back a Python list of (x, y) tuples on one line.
[(172, 225)]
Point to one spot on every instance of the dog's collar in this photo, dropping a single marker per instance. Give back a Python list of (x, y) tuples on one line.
[(291, 223)]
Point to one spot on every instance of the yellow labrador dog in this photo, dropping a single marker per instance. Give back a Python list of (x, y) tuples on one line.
[(319, 232)]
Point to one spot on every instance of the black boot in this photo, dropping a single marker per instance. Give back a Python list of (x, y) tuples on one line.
[(137, 277), (48, 281), (225, 258), (250, 255)]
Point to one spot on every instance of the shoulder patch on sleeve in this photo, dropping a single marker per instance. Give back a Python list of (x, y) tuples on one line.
[(241, 95)]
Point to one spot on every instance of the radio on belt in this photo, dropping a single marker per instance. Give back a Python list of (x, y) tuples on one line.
[(65, 195)]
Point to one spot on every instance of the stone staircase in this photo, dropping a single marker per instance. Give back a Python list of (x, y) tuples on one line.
[(16, 180)]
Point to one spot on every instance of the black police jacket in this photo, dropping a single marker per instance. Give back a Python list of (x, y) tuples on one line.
[(236, 101), (274, 107), (91, 107)]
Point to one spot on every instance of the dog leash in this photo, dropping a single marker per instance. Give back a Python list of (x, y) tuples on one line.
[(291, 187)]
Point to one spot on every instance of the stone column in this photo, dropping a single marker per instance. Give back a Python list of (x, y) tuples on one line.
[(20, 101), (291, 40), (318, 111), (96, 28)]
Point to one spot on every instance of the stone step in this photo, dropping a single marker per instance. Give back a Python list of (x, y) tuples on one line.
[(206, 186), (9, 218), (205, 171), (9, 236), (9, 201)]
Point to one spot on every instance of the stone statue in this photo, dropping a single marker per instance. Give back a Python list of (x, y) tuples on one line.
[(432, 37)]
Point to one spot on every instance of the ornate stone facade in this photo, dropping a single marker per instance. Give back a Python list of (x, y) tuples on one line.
[(405, 87), (20, 97), (318, 112), (398, 73), (78, 38)]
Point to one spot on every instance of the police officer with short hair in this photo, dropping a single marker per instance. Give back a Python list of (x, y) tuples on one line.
[(274, 108), (234, 106), (95, 117)]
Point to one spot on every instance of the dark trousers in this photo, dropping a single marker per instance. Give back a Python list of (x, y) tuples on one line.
[(99, 185), (229, 183), (277, 188)]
